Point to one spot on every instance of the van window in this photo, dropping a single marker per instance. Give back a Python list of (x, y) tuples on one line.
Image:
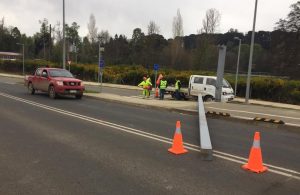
[(198, 80), (210, 81)]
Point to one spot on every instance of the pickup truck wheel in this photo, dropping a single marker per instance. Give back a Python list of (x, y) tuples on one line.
[(51, 92), (78, 96), (208, 98), (31, 90)]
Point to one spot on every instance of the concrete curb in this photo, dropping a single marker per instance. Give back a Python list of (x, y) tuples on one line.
[(184, 111)]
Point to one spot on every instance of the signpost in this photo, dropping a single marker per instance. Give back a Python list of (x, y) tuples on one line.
[(101, 66), (155, 67)]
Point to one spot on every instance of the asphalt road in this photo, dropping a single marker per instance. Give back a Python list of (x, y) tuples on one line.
[(46, 147)]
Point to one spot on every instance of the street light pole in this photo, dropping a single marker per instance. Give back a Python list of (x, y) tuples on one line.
[(23, 56), (64, 39), (237, 65), (251, 56)]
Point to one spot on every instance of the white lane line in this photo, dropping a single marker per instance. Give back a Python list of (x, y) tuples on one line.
[(292, 124), (240, 111), (229, 157), (9, 83)]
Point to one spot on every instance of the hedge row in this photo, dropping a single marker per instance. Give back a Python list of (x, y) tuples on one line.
[(264, 88)]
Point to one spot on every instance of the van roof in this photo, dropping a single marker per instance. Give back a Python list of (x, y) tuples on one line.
[(213, 77)]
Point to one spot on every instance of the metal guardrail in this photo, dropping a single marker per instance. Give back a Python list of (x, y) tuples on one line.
[(205, 143)]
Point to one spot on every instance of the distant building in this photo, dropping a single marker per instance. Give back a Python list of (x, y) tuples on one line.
[(9, 56)]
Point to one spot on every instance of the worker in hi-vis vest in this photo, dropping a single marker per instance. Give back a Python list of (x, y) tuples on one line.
[(148, 80), (177, 89), (145, 85), (163, 84)]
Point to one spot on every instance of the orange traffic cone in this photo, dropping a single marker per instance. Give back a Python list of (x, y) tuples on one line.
[(177, 147), (255, 162), (156, 92)]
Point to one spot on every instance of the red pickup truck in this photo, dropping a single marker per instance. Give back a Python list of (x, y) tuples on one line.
[(55, 82)]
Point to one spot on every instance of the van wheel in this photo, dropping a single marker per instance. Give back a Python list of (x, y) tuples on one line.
[(208, 98), (31, 90), (51, 92)]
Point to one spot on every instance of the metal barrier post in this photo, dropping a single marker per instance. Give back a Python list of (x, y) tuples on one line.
[(205, 143)]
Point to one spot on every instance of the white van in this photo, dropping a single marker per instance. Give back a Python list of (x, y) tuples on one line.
[(205, 85)]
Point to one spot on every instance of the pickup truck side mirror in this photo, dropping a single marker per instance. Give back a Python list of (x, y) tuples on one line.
[(44, 74)]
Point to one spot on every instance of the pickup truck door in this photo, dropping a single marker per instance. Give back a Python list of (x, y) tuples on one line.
[(211, 86), (36, 79), (196, 85), (44, 81)]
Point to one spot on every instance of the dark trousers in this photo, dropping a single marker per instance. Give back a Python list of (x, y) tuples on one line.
[(177, 95), (162, 94)]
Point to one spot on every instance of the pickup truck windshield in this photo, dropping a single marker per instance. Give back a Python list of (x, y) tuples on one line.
[(226, 84), (60, 73)]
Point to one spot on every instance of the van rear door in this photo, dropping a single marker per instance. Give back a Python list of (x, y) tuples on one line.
[(196, 85)]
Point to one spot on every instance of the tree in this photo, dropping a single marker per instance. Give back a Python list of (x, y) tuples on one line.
[(292, 22), (72, 35), (177, 25), (211, 21), (57, 32), (104, 36), (153, 28), (137, 45), (92, 29), (42, 39), (137, 35), (2, 24)]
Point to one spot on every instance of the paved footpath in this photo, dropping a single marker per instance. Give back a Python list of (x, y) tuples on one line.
[(262, 110)]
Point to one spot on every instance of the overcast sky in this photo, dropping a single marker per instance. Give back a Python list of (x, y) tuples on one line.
[(122, 16)]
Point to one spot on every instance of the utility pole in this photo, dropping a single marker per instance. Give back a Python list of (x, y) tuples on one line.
[(251, 56), (23, 56), (220, 72), (237, 65), (64, 39), (50, 43)]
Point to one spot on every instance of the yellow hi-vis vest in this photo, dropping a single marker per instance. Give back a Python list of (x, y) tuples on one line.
[(163, 84), (177, 84), (144, 84)]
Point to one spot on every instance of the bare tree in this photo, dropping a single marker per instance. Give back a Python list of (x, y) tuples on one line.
[(211, 22), (92, 29), (104, 36), (57, 32), (177, 25), (153, 28)]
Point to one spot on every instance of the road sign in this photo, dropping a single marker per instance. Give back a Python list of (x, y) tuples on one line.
[(101, 63), (156, 67), (69, 62)]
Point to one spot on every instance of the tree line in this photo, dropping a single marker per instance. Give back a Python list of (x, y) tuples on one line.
[(275, 53)]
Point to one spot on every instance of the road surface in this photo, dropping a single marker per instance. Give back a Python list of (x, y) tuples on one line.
[(88, 146)]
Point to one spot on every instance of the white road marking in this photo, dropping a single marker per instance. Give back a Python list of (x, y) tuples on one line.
[(9, 83), (233, 158), (239, 111)]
